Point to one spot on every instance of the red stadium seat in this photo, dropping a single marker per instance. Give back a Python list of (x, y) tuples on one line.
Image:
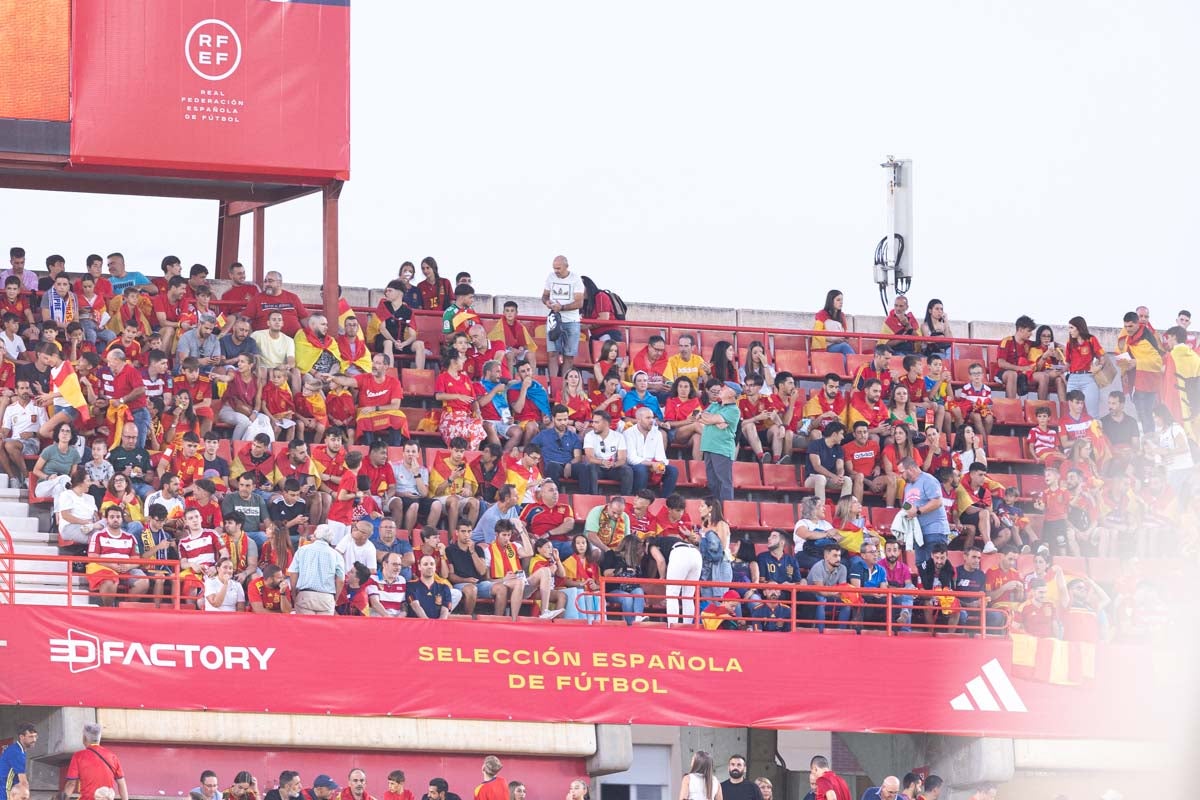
[(1007, 448), (793, 361), (418, 382), (1031, 409), (685, 479), (697, 474), (823, 363), (780, 477), (1031, 484), (742, 515), (882, 518), (1005, 479), (778, 516), (970, 353), (854, 362), (582, 504), (1009, 411), (747, 476)]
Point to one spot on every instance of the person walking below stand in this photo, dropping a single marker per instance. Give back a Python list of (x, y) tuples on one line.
[(718, 442)]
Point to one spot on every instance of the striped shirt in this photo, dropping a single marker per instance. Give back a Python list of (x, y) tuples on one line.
[(393, 596), (201, 551), (112, 546)]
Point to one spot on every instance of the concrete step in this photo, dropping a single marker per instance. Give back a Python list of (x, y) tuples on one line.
[(48, 595), (13, 493), (19, 522), (23, 537), (13, 508), (29, 572), (39, 549)]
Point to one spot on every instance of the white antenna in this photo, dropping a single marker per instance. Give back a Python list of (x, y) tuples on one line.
[(894, 253)]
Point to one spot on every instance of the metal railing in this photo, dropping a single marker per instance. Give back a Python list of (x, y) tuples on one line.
[(841, 607), (163, 576)]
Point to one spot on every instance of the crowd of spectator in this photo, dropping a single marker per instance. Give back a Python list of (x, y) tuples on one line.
[(232, 433)]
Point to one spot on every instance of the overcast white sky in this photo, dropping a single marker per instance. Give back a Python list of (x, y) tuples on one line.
[(718, 153)]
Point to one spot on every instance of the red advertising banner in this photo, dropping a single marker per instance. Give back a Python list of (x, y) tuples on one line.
[(221, 87), (556, 673)]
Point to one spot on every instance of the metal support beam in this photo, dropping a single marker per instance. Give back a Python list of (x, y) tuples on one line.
[(229, 234), (260, 244), (329, 219)]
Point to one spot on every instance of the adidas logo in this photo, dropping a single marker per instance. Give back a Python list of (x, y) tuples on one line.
[(985, 700)]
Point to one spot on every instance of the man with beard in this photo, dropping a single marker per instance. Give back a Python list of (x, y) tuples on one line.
[(736, 787)]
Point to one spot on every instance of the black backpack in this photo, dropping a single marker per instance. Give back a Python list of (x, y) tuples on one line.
[(619, 306)]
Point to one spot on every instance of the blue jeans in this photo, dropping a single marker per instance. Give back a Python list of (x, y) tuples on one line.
[(142, 490), (133, 528), (572, 346), (641, 478), (258, 537), (843, 614), (633, 603), (1084, 382), (845, 348), (565, 549), (719, 470), (141, 419)]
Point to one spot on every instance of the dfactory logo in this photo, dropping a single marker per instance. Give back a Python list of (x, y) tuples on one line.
[(82, 651)]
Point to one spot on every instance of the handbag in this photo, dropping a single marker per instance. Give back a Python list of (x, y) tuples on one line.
[(556, 332)]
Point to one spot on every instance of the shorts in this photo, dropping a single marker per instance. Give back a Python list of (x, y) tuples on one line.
[(423, 504), (483, 589), (501, 428), (30, 446), (396, 346), (571, 348), (71, 413), (99, 576)]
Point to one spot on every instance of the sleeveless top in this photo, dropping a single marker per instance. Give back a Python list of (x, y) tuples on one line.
[(696, 787)]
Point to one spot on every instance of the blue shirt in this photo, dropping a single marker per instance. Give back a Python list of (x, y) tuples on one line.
[(399, 545), (432, 599), (119, 285), (317, 567), (933, 523), (12, 765), (558, 449), (231, 349), (778, 570), (870, 577), (632, 401), (485, 528)]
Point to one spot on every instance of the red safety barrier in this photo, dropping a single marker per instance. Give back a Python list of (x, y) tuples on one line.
[(164, 577), (931, 611)]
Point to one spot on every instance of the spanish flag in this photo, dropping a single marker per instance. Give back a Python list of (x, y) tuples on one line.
[(65, 382), (345, 311)]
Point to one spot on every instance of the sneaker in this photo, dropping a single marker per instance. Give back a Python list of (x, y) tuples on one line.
[(552, 613), (784, 460), (638, 619), (988, 547)]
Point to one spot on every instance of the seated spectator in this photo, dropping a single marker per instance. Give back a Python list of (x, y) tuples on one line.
[(278, 549), (317, 352), (976, 511), (641, 396), (453, 481), (901, 322), (826, 464), (201, 343), (757, 362), (850, 525), (356, 358), (16, 303), (812, 532), (547, 518), (975, 402), (831, 319), (429, 598), (250, 505), (969, 448), (492, 395), (222, 592), (276, 349), (270, 592), (1039, 616), (488, 467), (606, 525), (518, 342), (680, 417), (867, 573), (10, 337), (119, 493), (722, 365), (575, 397), (646, 455), (901, 409), (468, 568), (482, 350), (378, 414), (624, 561), (75, 509), (1121, 430), (776, 564), (110, 571), (652, 360), (864, 456), (56, 462), (357, 547), (460, 408), (289, 509), (561, 447), (393, 587), (436, 292), (274, 298), (898, 577), (385, 541), (510, 584), (459, 316), (524, 473), (23, 417), (545, 572), (411, 497), (762, 423), (1049, 364), (609, 398), (687, 363), (829, 573), (200, 553), (826, 405), (868, 406), (507, 507), (388, 329), (935, 324), (605, 453), (1043, 441), (968, 577), (875, 369)]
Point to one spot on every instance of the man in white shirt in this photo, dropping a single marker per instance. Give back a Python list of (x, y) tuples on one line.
[(647, 456), (605, 451), (275, 348), (357, 546), (563, 293), (22, 419)]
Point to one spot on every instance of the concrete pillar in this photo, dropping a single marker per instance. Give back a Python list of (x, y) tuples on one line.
[(721, 743), (761, 761), (881, 754), (614, 750), (60, 733), (965, 763)]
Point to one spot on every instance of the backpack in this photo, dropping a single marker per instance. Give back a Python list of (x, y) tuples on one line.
[(619, 306)]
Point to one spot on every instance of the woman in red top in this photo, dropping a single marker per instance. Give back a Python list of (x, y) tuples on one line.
[(575, 397), (1084, 355), (277, 549), (609, 398), (900, 448), (460, 408), (242, 398), (436, 292), (680, 416), (179, 420), (610, 360)]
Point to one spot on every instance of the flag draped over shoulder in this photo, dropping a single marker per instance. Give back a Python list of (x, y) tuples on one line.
[(65, 382)]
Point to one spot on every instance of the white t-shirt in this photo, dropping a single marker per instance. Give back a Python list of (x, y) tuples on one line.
[(233, 595), (640, 449), (364, 554), (605, 448), (82, 506), (20, 419), (274, 352), (1166, 440), (14, 347), (563, 291)]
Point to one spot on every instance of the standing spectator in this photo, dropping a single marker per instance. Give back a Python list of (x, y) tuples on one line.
[(605, 453), (901, 322), (563, 295), (357, 547), (493, 787), (830, 318), (94, 767), (926, 506), (274, 298), (1084, 355), (718, 442), (435, 292), (317, 572), (1181, 379), (737, 786), (1169, 444), (13, 760), (827, 464), (700, 783), (460, 406), (829, 785), (128, 389), (931, 788), (889, 789), (646, 455), (1142, 368)]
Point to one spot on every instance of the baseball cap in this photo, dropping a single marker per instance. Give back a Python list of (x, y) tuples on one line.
[(324, 782), (730, 594)]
